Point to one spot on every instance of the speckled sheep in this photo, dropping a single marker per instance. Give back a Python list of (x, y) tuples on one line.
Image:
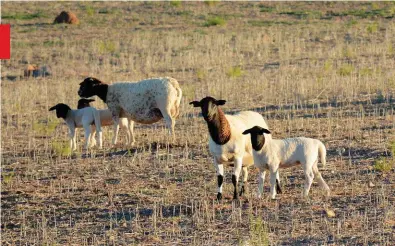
[(106, 120), (273, 154), (226, 141), (146, 101), (79, 118)]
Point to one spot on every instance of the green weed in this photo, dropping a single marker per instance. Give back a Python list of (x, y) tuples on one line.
[(372, 28), (106, 47), (235, 72), (42, 128), (259, 232), (211, 2), (383, 165), (266, 9), (7, 177), (268, 23), (24, 16), (215, 21), (61, 148), (346, 70), (176, 3)]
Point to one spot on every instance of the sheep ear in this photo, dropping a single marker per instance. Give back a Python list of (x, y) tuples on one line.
[(195, 103), (265, 131), (52, 108), (220, 102), (248, 131)]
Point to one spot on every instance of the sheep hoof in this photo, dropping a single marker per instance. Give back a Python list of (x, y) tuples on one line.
[(243, 190), (219, 196), (235, 196)]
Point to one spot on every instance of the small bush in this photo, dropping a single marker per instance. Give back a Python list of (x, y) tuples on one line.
[(235, 72), (215, 21), (61, 148), (24, 16), (90, 11), (259, 233), (175, 3), (266, 9), (372, 28), (346, 70), (211, 3), (45, 128), (106, 47), (383, 165)]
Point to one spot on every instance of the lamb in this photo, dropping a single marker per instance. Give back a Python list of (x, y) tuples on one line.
[(84, 117), (273, 154), (226, 141), (146, 101), (106, 120)]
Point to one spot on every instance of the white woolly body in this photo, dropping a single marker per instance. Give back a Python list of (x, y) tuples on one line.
[(289, 152), (239, 145), (143, 100), (283, 153), (84, 118)]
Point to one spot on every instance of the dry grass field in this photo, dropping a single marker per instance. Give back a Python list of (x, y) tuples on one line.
[(317, 69)]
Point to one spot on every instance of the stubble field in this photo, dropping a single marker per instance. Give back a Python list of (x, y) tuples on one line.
[(320, 70)]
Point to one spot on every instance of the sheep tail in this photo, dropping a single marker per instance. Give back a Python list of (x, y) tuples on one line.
[(177, 102), (322, 153)]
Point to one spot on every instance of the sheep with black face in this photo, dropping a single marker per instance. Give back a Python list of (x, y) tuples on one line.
[(226, 141), (80, 118), (106, 120), (146, 101), (273, 154)]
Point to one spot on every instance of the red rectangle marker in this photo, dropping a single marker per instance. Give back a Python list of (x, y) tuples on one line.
[(5, 41)]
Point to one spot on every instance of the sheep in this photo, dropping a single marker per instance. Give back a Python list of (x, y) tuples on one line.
[(84, 117), (226, 141), (273, 154), (106, 120), (146, 101)]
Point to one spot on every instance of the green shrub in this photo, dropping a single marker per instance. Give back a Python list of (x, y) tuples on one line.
[(211, 3), (176, 3), (259, 232), (383, 165), (43, 128), (372, 28), (24, 16), (215, 21), (61, 148), (235, 72), (346, 70)]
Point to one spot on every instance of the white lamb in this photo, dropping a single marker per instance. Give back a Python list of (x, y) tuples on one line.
[(106, 120), (80, 118), (226, 141), (273, 154), (147, 101)]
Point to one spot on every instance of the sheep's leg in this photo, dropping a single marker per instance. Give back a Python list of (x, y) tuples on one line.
[(261, 181), (244, 187), (73, 144), (236, 175), (132, 140), (273, 178), (309, 175), (93, 140), (320, 180), (115, 119), (220, 177), (170, 122), (278, 186), (87, 136)]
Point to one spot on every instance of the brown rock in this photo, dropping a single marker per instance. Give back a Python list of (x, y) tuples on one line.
[(66, 17)]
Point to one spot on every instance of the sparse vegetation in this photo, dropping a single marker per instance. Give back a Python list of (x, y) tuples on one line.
[(215, 21), (316, 71)]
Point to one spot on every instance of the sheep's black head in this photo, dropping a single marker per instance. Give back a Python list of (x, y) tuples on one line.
[(61, 110), (83, 103), (257, 136), (87, 87), (208, 106)]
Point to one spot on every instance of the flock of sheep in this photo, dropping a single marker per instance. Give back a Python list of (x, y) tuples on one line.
[(242, 138)]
